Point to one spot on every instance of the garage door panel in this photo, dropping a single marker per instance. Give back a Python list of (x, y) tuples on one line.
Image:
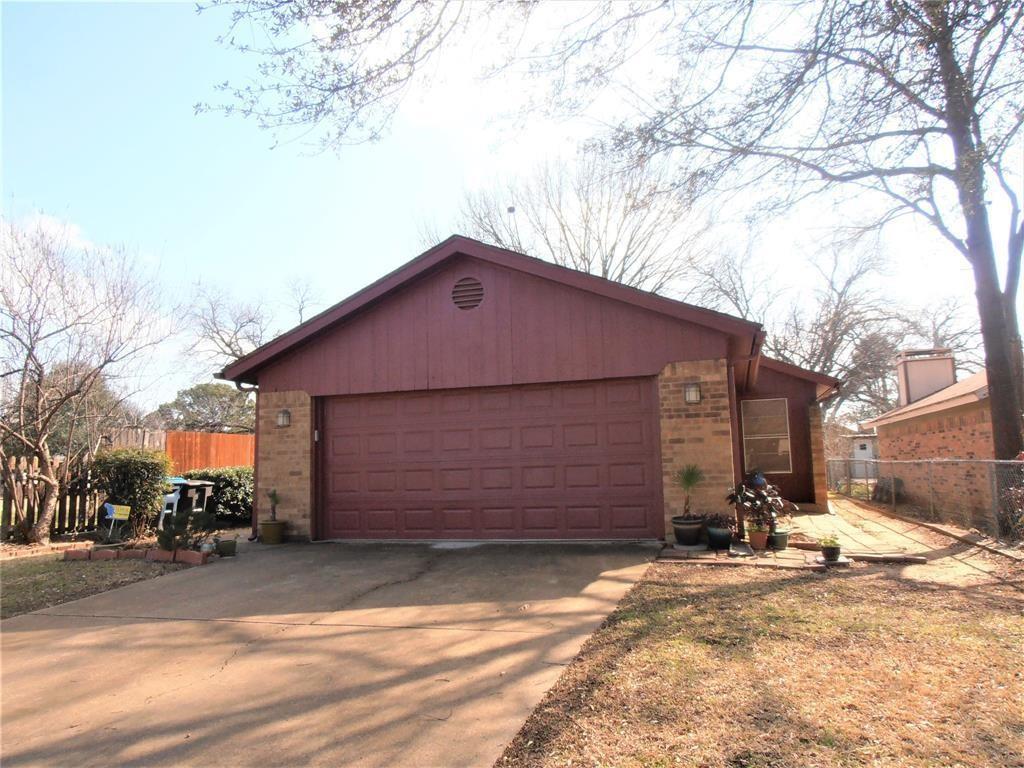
[(564, 461)]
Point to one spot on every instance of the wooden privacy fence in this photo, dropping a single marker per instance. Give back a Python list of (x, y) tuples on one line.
[(190, 450), (77, 509), (199, 450)]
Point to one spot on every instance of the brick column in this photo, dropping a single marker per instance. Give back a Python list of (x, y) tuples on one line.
[(697, 433), (284, 459), (819, 468)]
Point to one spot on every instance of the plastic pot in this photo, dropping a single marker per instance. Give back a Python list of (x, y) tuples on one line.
[(757, 539), (719, 538), (831, 554), (272, 531), (778, 540), (227, 548), (687, 529)]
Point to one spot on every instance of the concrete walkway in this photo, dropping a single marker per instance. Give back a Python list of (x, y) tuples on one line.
[(321, 654), (864, 530)]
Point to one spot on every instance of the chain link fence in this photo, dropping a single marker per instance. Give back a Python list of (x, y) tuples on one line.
[(986, 495)]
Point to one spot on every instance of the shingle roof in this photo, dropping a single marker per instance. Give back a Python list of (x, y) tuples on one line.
[(969, 390)]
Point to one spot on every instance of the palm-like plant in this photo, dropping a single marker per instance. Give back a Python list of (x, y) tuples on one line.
[(688, 478)]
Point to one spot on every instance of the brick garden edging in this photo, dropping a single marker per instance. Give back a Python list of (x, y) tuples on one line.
[(152, 554), (39, 551)]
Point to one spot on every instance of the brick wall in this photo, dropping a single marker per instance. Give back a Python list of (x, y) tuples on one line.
[(284, 460), (819, 468), (959, 493), (699, 434), (958, 433)]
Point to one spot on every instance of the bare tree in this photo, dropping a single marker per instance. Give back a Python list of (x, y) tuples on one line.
[(845, 328), (596, 217), (226, 329), (71, 322), (914, 104), (945, 326), (303, 296)]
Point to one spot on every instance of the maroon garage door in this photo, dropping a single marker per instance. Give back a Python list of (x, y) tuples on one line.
[(563, 461)]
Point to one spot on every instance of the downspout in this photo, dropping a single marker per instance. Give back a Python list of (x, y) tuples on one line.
[(256, 453)]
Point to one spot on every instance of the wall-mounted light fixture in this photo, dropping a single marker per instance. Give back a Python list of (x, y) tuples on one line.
[(284, 418), (691, 393)]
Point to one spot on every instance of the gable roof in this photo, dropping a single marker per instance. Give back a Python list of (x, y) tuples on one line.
[(745, 336), (827, 386), (970, 390)]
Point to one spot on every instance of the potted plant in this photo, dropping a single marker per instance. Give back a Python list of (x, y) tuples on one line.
[(685, 526), (272, 530), (719, 529), (226, 547), (830, 548), (760, 503), (757, 535)]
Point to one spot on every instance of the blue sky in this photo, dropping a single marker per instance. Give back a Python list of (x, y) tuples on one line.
[(99, 131)]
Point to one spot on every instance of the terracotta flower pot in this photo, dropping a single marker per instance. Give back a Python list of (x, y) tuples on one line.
[(272, 531), (758, 539)]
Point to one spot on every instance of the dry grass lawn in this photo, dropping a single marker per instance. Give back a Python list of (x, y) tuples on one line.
[(745, 668), (28, 584)]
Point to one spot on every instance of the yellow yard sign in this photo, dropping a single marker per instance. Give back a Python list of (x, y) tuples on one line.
[(121, 511)]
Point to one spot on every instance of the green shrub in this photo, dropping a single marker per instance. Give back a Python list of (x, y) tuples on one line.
[(134, 477), (232, 491)]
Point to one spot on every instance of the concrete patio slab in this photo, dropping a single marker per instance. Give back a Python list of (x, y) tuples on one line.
[(317, 654)]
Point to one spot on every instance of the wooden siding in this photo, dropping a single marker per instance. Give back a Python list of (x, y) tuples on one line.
[(202, 450), (797, 485), (527, 330)]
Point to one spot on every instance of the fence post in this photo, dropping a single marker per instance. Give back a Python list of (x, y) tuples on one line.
[(931, 491), (993, 472), (849, 490), (892, 479)]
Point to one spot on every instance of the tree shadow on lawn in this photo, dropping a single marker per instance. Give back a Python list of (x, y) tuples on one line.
[(720, 666)]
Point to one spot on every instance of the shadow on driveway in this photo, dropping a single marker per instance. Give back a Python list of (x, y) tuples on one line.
[(324, 654)]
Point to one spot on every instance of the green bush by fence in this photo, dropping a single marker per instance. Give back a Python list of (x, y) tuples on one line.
[(232, 491), (134, 477)]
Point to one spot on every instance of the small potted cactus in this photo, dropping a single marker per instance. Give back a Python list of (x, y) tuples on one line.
[(830, 548), (272, 530)]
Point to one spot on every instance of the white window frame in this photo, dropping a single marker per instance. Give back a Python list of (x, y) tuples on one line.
[(787, 436)]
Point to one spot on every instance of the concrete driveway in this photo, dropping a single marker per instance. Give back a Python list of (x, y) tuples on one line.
[(323, 654)]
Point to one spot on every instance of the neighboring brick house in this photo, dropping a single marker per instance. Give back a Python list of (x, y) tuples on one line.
[(939, 418), (479, 393)]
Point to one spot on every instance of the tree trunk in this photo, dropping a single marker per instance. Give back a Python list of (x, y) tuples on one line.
[(999, 368), (970, 183), (40, 532)]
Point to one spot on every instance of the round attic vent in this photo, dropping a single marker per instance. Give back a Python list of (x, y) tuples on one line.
[(467, 293)]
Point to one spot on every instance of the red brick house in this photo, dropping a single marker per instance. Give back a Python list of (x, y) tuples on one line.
[(937, 417), (480, 393), (940, 418)]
